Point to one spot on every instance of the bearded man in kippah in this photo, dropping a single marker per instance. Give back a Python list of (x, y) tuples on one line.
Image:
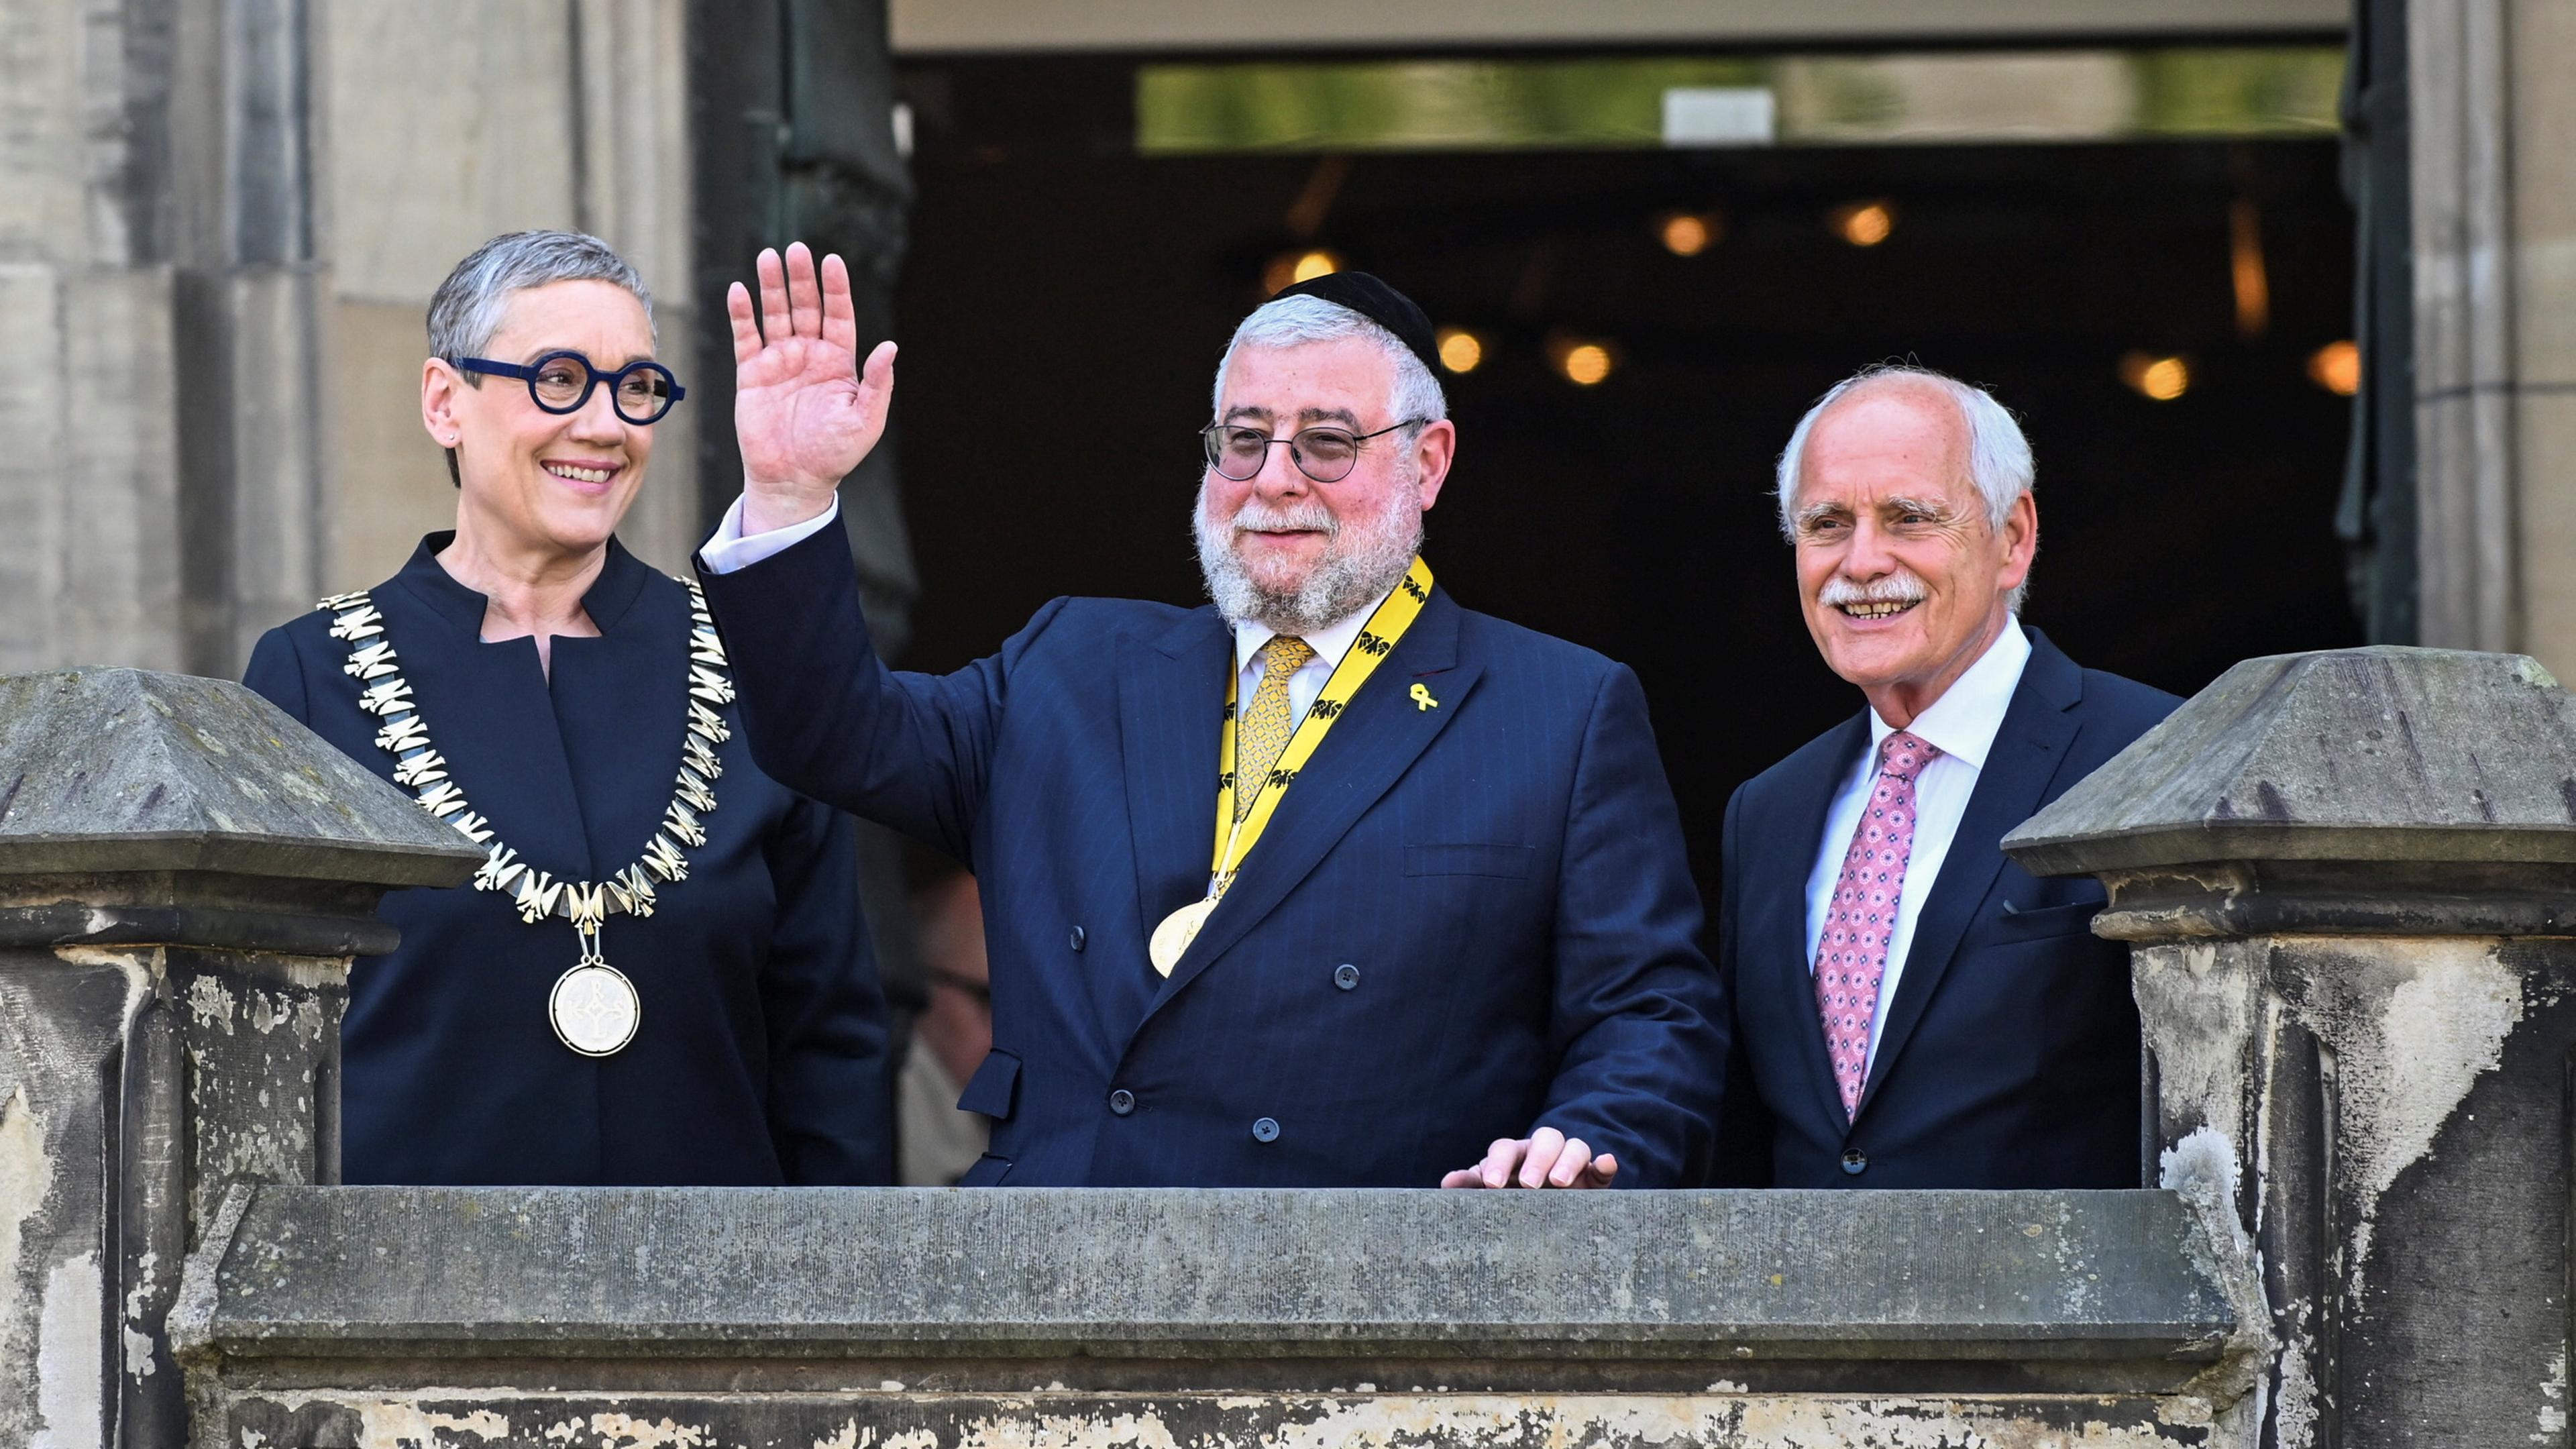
[(1335, 883)]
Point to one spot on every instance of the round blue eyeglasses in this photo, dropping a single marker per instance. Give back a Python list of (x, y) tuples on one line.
[(560, 382)]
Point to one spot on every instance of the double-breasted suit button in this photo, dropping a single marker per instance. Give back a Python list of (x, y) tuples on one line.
[(1265, 1129), (1855, 1162), (1077, 938), (1122, 1101), (1346, 976)]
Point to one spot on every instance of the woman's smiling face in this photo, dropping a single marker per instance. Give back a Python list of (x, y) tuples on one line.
[(555, 482)]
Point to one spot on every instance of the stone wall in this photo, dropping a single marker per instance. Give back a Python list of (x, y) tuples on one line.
[(88, 302), (220, 222), (2492, 122)]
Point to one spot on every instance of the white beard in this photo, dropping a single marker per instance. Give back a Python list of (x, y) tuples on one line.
[(1361, 563)]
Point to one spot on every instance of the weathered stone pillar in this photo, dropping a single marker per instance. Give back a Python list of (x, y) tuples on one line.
[(185, 874), (2350, 878)]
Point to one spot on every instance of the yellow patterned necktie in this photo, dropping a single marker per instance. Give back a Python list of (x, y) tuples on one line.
[(1263, 732)]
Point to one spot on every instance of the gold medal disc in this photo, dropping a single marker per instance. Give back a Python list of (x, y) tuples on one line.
[(1176, 933), (594, 1009)]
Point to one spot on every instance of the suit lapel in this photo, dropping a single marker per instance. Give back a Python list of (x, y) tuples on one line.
[(1368, 749), (1783, 934), (1171, 707), (2027, 754)]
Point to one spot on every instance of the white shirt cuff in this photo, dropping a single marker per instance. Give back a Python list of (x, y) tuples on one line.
[(727, 550)]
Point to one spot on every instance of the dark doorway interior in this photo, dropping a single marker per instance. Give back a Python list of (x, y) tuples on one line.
[(1065, 302)]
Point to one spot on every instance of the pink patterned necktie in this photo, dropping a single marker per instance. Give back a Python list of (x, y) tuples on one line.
[(1851, 958)]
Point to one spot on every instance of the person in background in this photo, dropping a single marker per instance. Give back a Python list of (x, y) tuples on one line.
[(659, 977), (1443, 929), (936, 1140), (1911, 1008)]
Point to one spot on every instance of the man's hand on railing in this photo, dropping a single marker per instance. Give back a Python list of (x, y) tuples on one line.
[(1545, 1158), (804, 411)]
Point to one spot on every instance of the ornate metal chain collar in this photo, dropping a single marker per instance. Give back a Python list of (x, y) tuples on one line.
[(594, 1006)]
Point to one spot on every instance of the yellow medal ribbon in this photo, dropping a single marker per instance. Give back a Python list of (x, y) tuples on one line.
[(1235, 838)]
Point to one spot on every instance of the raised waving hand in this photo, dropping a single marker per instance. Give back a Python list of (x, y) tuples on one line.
[(804, 411)]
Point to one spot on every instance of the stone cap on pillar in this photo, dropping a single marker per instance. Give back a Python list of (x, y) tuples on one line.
[(127, 770), (2363, 774), (2383, 753)]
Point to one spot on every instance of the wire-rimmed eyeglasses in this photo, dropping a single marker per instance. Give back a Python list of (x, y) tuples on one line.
[(560, 382), (1326, 455)]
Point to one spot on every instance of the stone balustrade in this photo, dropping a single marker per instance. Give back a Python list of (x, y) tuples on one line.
[(711, 1317)]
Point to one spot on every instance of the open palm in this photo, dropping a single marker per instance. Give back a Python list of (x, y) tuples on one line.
[(804, 411)]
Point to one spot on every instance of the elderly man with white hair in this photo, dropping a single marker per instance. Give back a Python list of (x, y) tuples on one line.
[(1911, 1009), (1441, 929)]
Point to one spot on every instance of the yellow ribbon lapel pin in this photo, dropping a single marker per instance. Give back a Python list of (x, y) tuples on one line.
[(1422, 698)]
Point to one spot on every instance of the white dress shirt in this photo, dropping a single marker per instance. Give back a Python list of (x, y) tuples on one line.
[(1330, 643), (727, 550), (935, 1139), (1961, 724)]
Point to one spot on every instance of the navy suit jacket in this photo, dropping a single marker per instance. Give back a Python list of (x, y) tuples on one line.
[(760, 1059), (2009, 1057), (1464, 921)]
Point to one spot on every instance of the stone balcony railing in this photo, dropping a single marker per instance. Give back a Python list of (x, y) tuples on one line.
[(1147, 1317), (2351, 883)]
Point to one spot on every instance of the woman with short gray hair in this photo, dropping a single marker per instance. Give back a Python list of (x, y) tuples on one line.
[(658, 976)]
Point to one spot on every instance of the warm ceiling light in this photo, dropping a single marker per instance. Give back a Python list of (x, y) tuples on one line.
[(1585, 363), (1289, 268), (2246, 271), (1863, 223), (2336, 367), (1688, 233), (2158, 378), (1460, 349)]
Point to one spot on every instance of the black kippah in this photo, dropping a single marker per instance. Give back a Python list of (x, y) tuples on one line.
[(1379, 303)]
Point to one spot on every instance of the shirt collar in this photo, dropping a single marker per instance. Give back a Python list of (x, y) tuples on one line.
[(621, 580), (1330, 643), (1964, 721)]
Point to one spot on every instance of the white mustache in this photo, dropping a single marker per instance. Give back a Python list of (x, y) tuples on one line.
[(1258, 517), (1893, 589)]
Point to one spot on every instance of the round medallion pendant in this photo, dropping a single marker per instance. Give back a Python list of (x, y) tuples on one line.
[(1174, 935), (595, 1009)]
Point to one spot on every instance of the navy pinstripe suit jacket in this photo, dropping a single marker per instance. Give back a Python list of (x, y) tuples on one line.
[(1504, 873), (2009, 1058)]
